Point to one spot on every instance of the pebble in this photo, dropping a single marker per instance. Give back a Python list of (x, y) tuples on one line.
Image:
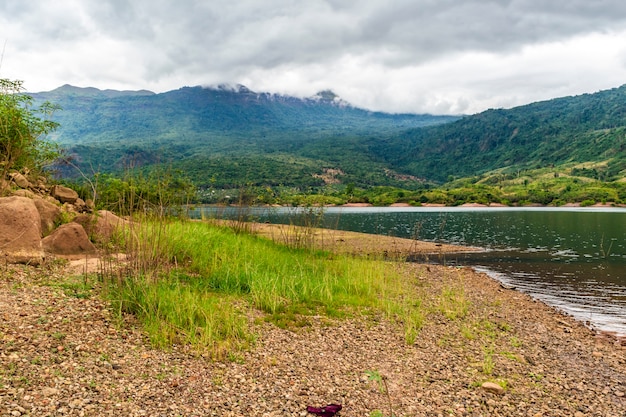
[(493, 388), (286, 371), (48, 392)]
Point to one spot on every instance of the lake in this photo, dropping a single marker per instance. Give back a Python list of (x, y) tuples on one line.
[(571, 258)]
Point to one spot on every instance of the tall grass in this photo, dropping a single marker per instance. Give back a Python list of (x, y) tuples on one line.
[(194, 283), (303, 225)]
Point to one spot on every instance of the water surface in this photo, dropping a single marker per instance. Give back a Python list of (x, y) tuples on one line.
[(571, 258)]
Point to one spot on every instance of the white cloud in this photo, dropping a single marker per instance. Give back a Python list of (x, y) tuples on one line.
[(439, 56)]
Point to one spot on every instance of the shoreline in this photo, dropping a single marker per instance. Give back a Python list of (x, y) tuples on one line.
[(357, 243), (478, 205), (428, 205), (612, 335), (482, 350)]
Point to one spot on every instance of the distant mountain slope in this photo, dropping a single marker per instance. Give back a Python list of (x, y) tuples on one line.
[(211, 131), (585, 128), (227, 136), (92, 115)]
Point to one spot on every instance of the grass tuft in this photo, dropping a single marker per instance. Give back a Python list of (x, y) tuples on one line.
[(194, 283), (453, 304)]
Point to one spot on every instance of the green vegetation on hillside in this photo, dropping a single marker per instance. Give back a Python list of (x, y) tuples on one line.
[(570, 130), (551, 187), (226, 137), (287, 150)]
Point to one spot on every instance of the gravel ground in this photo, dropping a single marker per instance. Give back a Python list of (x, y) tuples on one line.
[(63, 353)]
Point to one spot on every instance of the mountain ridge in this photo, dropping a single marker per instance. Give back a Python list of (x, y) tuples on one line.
[(232, 135), (199, 129)]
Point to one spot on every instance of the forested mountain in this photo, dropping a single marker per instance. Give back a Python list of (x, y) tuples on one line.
[(228, 136), (579, 129)]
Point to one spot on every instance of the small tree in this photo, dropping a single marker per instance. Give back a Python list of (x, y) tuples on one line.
[(22, 129)]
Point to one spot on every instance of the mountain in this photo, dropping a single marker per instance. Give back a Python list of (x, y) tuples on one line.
[(68, 91), (226, 135), (569, 130)]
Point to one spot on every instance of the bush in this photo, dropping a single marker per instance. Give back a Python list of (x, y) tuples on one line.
[(587, 203), (22, 131)]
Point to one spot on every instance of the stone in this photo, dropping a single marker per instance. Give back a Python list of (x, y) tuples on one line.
[(49, 213), (100, 226), (42, 184), (20, 231), (69, 240), (24, 193), (80, 205), (50, 199), (4, 185), (493, 388), (64, 194), (49, 392), (20, 180)]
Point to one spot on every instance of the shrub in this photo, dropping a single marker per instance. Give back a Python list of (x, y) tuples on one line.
[(587, 203), (22, 130)]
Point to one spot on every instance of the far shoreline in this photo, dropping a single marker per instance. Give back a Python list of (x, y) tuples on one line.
[(605, 206), (480, 205)]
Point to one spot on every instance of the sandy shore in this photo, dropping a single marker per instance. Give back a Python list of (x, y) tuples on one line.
[(62, 353), (340, 241)]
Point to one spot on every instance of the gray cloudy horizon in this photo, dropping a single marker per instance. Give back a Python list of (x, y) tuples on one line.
[(420, 56)]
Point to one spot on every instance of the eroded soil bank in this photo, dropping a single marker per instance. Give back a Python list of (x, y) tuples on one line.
[(62, 353)]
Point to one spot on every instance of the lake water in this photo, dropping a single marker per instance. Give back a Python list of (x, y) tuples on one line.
[(571, 258)]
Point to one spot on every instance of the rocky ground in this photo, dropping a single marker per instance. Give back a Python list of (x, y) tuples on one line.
[(62, 352)]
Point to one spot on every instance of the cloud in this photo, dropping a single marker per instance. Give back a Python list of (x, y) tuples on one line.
[(396, 55)]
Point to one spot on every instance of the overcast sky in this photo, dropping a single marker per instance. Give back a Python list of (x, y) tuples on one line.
[(434, 56)]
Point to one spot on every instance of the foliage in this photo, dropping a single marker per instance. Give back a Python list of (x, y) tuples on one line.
[(381, 381), (224, 138), (219, 274), (22, 128), (160, 191), (553, 186), (590, 127), (452, 303), (288, 149)]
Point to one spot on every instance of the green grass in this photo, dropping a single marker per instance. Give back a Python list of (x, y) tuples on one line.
[(452, 303), (196, 283)]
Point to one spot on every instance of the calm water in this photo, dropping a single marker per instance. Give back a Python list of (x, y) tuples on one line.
[(571, 258)]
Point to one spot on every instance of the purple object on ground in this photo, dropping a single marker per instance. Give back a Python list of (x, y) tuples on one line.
[(328, 411)]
